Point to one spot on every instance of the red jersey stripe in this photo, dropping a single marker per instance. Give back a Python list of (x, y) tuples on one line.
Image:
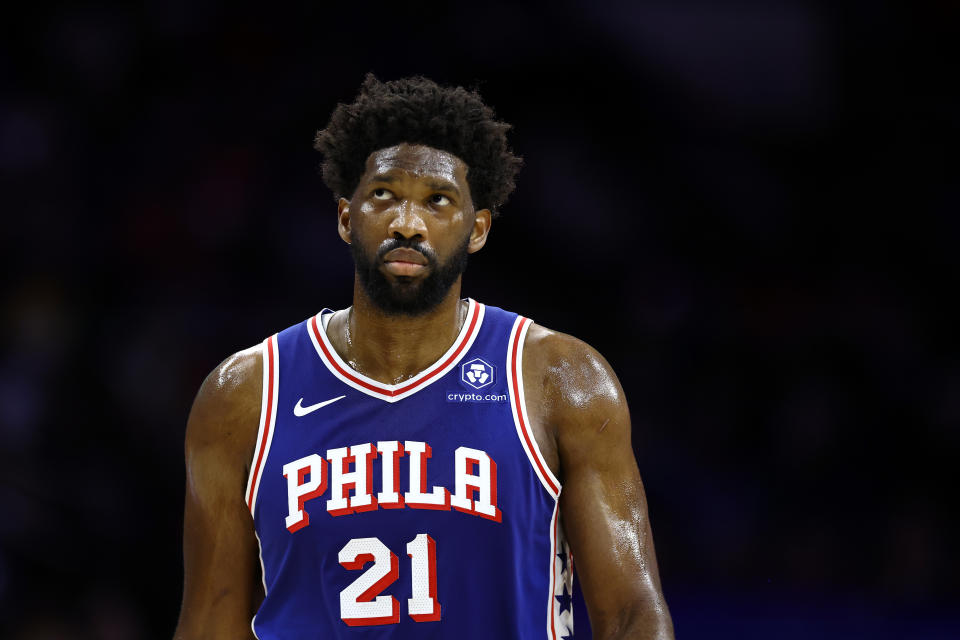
[(521, 410), (271, 347), (553, 571), (385, 390)]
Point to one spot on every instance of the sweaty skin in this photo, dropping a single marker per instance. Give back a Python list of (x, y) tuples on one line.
[(581, 423), (577, 411), (222, 588)]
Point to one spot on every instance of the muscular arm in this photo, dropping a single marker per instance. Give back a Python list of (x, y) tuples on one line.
[(583, 429), (222, 587)]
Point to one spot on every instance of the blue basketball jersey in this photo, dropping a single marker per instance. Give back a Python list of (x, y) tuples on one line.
[(417, 510)]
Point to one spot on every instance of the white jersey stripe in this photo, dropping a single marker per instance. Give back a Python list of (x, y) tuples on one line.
[(394, 392), (518, 406), (268, 419), (551, 620), (563, 584), (263, 579)]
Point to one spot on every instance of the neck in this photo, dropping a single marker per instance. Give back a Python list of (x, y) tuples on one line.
[(394, 348)]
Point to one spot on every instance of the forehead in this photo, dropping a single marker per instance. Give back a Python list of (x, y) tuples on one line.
[(420, 161)]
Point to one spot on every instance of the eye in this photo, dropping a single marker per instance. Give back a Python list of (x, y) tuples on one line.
[(440, 199), (382, 194)]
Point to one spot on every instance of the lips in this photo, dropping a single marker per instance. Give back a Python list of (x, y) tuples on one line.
[(404, 262), (405, 255)]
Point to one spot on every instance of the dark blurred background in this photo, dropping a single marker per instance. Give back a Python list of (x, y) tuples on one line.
[(746, 207)]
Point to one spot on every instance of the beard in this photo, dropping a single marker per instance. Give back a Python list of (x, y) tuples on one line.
[(404, 295)]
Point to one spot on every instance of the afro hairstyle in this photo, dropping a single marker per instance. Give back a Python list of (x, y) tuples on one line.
[(416, 110)]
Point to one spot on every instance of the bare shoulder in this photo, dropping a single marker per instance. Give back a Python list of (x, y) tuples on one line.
[(576, 404), (572, 381), (221, 576), (603, 505), (226, 410)]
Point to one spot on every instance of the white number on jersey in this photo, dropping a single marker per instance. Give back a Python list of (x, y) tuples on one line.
[(423, 606), (358, 606), (361, 603)]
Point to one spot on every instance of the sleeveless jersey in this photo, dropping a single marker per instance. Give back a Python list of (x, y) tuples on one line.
[(417, 510)]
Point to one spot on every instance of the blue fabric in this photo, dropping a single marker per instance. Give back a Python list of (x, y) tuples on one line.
[(493, 578)]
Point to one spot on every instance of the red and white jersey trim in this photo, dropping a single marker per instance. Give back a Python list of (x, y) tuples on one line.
[(518, 406), (263, 581), (551, 602), (395, 392), (268, 418), (561, 578)]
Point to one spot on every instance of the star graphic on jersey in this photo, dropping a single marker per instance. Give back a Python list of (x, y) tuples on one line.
[(565, 600), (563, 561)]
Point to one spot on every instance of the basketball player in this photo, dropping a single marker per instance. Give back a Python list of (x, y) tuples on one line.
[(416, 465)]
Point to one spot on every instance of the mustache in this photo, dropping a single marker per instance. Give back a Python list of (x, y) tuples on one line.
[(390, 244)]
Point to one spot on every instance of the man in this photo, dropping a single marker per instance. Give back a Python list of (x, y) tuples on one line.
[(403, 459)]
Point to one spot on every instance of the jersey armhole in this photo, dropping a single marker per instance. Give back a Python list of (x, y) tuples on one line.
[(268, 419), (521, 419)]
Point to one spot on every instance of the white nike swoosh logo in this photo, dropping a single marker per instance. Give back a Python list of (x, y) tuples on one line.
[(301, 410)]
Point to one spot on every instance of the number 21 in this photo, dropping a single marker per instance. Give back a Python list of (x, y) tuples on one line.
[(361, 603)]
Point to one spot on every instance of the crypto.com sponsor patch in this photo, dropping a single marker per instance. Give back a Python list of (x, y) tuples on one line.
[(466, 396)]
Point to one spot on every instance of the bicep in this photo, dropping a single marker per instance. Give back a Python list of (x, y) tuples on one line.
[(221, 566), (603, 505), (220, 560), (605, 519)]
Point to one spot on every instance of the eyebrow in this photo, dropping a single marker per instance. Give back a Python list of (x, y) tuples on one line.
[(436, 185), (443, 185)]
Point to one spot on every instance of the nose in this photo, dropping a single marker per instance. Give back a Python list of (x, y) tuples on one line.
[(408, 221)]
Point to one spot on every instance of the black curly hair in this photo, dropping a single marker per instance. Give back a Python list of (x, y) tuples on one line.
[(418, 111)]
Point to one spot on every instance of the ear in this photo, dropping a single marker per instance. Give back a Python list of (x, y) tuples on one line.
[(481, 227), (343, 219)]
